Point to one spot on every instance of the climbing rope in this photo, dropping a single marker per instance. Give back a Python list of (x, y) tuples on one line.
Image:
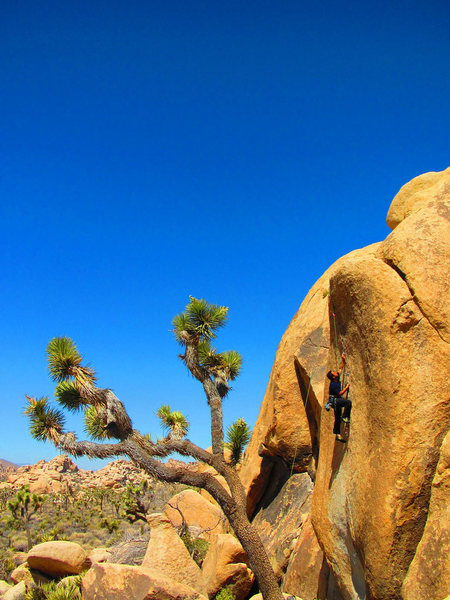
[(345, 371)]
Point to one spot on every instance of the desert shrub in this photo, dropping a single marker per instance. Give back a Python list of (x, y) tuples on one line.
[(6, 565), (225, 594), (53, 591), (131, 549), (197, 547), (70, 591), (111, 525)]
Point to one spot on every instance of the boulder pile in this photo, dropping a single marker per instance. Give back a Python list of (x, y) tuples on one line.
[(61, 475)]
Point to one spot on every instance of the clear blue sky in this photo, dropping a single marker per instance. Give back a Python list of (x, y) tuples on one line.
[(228, 150)]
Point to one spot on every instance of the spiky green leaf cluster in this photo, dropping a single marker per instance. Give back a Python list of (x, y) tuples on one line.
[(229, 362), (173, 422), (62, 357), (64, 361), (94, 424), (45, 423), (54, 591), (200, 319), (233, 363), (68, 395), (208, 356), (238, 436)]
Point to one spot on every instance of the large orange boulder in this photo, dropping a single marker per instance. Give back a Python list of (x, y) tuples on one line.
[(108, 581), (371, 498), (226, 565), (167, 555), (387, 307), (58, 558)]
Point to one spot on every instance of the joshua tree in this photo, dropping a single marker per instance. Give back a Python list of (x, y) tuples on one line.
[(238, 436), (23, 508), (106, 418)]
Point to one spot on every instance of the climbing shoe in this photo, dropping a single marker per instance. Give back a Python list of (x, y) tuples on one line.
[(339, 439), (345, 420)]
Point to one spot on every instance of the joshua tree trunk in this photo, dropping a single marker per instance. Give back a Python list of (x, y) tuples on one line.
[(28, 532)]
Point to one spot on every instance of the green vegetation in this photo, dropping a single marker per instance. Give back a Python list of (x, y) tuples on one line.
[(91, 517), (238, 436), (55, 591), (173, 422), (23, 508), (197, 547), (225, 594)]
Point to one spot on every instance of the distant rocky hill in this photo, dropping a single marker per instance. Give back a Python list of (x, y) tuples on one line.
[(5, 465), (61, 474), (6, 469)]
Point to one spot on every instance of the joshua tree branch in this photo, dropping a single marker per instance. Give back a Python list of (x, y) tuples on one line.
[(178, 474), (68, 442), (184, 447)]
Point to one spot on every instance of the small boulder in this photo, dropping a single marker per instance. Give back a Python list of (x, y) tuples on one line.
[(30, 576), (58, 558), (16, 593), (226, 564), (4, 587), (100, 555), (107, 581)]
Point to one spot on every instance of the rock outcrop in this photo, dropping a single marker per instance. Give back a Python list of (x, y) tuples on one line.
[(376, 511), (429, 572)]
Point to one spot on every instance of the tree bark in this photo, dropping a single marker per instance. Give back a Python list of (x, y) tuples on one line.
[(257, 555)]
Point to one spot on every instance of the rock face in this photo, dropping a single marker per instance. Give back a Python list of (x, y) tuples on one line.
[(226, 564), (106, 581), (58, 559), (387, 306), (167, 555), (429, 573), (280, 523)]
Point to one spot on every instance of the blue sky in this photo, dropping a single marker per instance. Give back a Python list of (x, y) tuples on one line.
[(232, 151)]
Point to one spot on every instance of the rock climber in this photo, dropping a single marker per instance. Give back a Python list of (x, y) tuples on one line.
[(337, 401)]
